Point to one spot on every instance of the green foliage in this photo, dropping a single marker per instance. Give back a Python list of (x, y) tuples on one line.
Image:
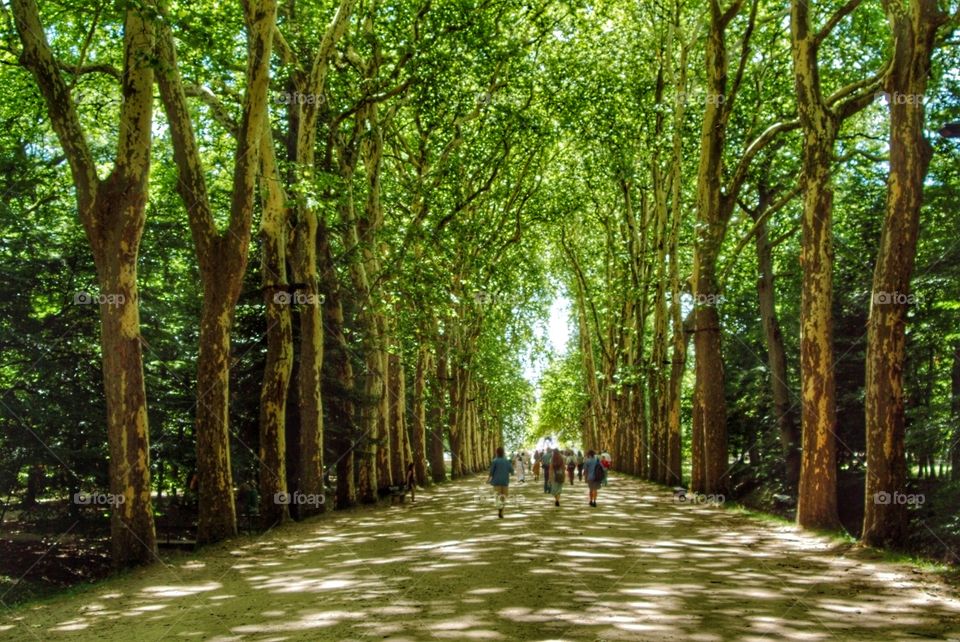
[(563, 400)]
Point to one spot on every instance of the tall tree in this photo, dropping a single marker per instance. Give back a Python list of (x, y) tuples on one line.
[(113, 213), (309, 232), (820, 118), (914, 28), (716, 200), (221, 254)]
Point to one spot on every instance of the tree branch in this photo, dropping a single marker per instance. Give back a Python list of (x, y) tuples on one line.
[(834, 20), (38, 58)]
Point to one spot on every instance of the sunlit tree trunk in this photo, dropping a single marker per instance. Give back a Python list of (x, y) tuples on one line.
[(914, 30), (820, 123), (713, 211), (221, 255), (817, 501), (113, 214), (279, 360), (438, 414), (418, 432)]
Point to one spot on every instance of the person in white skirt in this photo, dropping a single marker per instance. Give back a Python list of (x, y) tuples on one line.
[(520, 468)]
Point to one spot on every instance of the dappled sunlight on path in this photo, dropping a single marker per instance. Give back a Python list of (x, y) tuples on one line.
[(638, 567)]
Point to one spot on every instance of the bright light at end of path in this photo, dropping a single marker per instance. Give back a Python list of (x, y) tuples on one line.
[(558, 329)]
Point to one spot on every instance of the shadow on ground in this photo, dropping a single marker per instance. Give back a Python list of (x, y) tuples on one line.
[(638, 567)]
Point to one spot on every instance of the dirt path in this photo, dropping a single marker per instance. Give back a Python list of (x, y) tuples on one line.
[(638, 567)]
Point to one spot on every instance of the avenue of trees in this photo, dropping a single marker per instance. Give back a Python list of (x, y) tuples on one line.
[(282, 250), (758, 250)]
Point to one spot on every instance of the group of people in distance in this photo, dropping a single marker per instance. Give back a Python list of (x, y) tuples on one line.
[(557, 466)]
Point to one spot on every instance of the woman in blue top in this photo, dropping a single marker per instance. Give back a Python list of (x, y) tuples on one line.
[(500, 471)]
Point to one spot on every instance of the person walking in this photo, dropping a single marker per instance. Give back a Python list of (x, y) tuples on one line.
[(545, 460), (596, 474), (520, 468), (536, 466), (411, 482), (571, 462), (500, 471), (556, 476), (579, 465)]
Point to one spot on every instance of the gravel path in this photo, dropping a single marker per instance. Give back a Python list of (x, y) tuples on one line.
[(640, 566)]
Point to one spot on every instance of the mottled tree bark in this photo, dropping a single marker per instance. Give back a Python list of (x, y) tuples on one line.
[(279, 360), (438, 412), (340, 392), (820, 122), (914, 35), (113, 214), (418, 432), (221, 255)]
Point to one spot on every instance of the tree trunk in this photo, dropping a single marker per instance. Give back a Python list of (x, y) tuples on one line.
[(133, 536), (438, 419), (279, 360), (455, 426), (398, 424), (113, 214), (955, 406), (384, 439), (817, 500), (789, 432), (914, 32), (713, 211), (339, 392), (680, 332), (221, 255), (217, 518), (418, 432), (697, 472), (310, 362), (817, 497)]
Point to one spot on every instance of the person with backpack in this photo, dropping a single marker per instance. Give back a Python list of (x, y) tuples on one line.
[(557, 474), (545, 460), (580, 465), (596, 474), (571, 462), (500, 471)]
